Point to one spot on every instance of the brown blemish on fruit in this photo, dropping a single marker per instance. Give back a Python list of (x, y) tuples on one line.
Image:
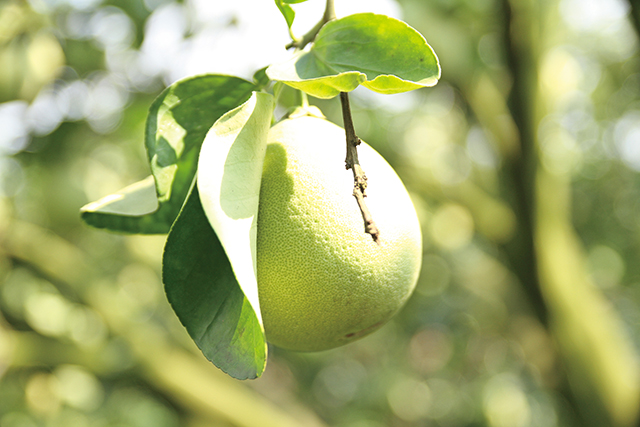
[(365, 331)]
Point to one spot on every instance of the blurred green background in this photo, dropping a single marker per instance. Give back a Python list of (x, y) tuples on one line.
[(523, 164)]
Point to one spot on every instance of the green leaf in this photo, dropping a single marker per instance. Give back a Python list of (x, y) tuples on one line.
[(176, 126), (229, 175), (206, 297), (260, 78), (179, 120), (130, 209), (286, 11), (381, 53)]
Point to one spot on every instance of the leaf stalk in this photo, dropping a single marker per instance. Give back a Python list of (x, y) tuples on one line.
[(329, 15)]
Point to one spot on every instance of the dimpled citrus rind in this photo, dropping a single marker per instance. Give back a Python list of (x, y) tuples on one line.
[(322, 281)]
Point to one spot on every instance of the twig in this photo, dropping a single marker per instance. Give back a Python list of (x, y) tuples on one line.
[(329, 11), (352, 162), (329, 15)]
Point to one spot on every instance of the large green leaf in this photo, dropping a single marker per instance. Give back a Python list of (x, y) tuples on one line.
[(229, 175), (176, 126), (205, 295), (381, 53)]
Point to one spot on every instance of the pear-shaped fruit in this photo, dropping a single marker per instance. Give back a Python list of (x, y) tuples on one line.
[(322, 281)]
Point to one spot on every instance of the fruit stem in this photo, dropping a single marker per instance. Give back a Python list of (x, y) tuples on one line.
[(352, 162), (304, 99), (329, 15)]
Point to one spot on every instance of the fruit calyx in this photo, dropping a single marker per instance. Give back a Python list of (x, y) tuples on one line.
[(304, 110)]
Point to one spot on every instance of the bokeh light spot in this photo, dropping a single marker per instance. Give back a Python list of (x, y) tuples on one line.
[(606, 266), (452, 226), (47, 313), (409, 399), (505, 403), (435, 276), (78, 387), (430, 350)]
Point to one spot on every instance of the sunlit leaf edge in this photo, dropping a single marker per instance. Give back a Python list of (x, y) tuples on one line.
[(150, 217), (382, 83), (164, 103), (233, 152), (159, 220), (221, 354), (330, 86)]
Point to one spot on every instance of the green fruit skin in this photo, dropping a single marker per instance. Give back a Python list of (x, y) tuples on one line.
[(322, 281)]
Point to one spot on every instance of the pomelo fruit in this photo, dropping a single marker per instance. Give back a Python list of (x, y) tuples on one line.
[(323, 282)]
